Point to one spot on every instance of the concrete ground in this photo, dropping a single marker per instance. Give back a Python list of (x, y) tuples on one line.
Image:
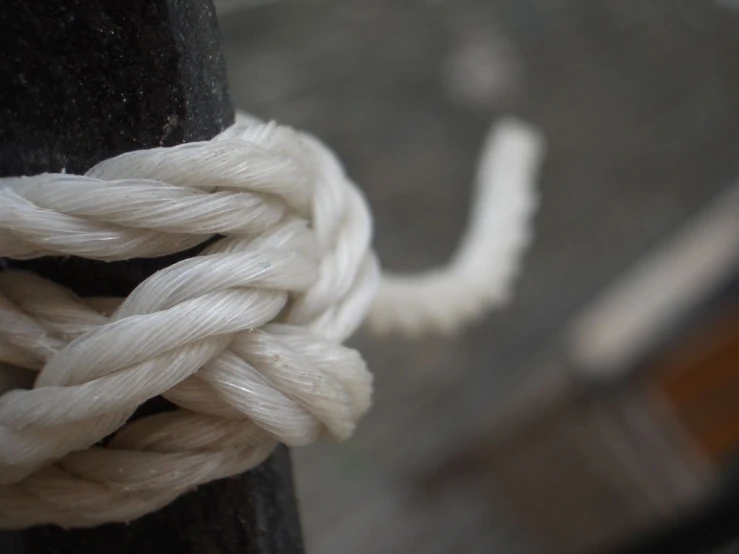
[(639, 101)]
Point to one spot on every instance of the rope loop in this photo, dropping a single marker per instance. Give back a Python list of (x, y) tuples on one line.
[(245, 338)]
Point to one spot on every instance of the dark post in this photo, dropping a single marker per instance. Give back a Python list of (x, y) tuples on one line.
[(83, 80)]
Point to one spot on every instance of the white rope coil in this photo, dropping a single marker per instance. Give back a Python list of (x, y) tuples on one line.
[(244, 338)]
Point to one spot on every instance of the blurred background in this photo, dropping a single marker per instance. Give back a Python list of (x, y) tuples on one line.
[(601, 404)]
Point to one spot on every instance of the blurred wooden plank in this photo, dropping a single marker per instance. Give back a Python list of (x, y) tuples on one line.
[(698, 381)]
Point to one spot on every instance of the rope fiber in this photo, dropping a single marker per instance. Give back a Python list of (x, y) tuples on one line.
[(245, 338)]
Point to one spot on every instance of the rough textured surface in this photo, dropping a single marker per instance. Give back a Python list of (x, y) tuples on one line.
[(87, 79), (640, 101), (250, 514), (84, 80)]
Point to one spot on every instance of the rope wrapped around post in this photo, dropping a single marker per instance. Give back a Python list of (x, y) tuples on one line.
[(245, 338)]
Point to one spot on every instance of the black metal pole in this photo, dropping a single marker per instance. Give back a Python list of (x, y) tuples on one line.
[(83, 80)]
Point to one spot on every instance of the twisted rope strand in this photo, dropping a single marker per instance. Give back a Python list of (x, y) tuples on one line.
[(245, 338)]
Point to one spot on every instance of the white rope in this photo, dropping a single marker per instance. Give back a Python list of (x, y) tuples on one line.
[(245, 338)]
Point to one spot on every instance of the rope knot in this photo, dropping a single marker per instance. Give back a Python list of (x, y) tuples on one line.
[(244, 338)]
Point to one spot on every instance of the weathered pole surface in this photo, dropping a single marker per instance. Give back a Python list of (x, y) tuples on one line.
[(83, 80)]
